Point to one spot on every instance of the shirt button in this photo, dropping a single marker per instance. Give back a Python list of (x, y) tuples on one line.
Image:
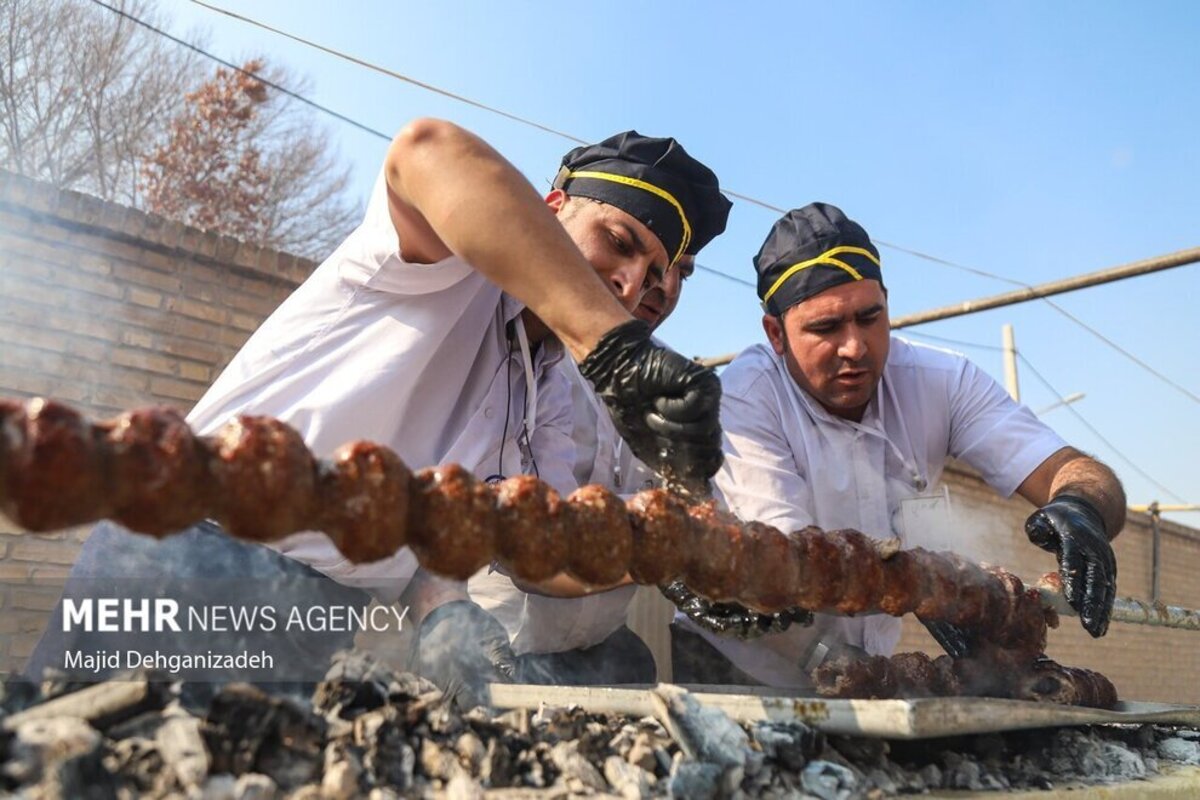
[(488, 412)]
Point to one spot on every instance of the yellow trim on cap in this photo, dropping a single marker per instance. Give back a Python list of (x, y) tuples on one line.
[(649, 187), (825, 258)]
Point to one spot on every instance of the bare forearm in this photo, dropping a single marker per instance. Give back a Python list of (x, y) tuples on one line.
[(1086, 477), (485, 211), (562, 585)]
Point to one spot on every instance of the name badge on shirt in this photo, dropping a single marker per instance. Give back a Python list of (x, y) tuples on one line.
[(927, 520)]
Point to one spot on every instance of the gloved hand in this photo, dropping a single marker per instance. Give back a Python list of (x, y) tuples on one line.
[(731, 619), (953, 639), (462, 649), (1072, 528), (664, 405)]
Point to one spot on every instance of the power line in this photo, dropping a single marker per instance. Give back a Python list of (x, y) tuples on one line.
[(575, 139), (1095, 432), (1186, 393), (325, 109), (546, 128), (231, 65), (958, 342), (392, 73), (726, 276)]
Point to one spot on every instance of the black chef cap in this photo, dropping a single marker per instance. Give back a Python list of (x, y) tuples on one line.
[(656, 181), (809, 250)]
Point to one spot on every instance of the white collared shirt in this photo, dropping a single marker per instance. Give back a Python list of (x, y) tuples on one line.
[(790, 463), (415, 357), (539, 624)]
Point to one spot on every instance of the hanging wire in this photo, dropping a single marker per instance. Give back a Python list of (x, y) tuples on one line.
[(547, 129), (959, 342), (1095, 432)]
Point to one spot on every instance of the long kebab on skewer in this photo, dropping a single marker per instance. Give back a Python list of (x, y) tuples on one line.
[(146, 470)]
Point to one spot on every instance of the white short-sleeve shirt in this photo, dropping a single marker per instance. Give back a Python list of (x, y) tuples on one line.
[(416, 357), (790, 463), (538, 624)]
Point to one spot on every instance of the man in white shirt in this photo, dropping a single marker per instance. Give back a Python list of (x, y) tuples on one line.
[(434, 330), (567, 637), (838, 424)]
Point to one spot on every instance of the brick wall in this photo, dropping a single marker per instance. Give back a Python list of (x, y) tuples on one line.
[(1145, 663), (109, 308)]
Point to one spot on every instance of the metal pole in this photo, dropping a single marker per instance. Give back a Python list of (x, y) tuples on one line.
[(1167, 507), (1010, 363), (1155, 552), (1144, 267), (1138, 612)]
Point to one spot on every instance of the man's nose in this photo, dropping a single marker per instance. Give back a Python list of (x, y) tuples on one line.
[(854, 345), (626, 284)]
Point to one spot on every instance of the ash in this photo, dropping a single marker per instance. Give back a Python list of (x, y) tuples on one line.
[(369, 731)]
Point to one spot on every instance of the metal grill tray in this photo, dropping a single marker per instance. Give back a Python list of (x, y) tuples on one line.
[(923, 718)]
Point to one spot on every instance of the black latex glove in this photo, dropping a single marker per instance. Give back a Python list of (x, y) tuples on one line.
[(664, 405), (462, 649), (731, 619), (953, 639), (1072, 528)]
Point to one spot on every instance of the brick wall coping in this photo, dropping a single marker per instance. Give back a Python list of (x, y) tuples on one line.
[(24, 196), (1167, 527)]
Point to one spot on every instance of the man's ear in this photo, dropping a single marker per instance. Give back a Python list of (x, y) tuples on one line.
[(773, 326), (557, 200)]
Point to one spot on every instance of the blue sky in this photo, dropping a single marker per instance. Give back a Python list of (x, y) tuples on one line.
[(1031, 140)]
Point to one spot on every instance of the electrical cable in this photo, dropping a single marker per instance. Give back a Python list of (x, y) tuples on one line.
[(959, 342), (726, 276), (231, 65), (539, 126), (1095, 432), (1185, 392), (747, 198), (391, 73)]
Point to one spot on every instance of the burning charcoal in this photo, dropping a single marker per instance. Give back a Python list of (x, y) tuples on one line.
[(253, 786), (962, 773), (641, 753), (704, 733), (463, 787), (829, 781), (17, 694), (101, 704), (865, 752), (437, 762), (217, 787), (628, 780), (1180, 750), (383, 793), (790, 745), (694, 781), (182, 746), (248, 731), (387, 758), (143, 726), (343, 769), (471, 752), (40, 743), (357, 682), (139, 761), (56, 682), (576, 770), (880, 780)]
